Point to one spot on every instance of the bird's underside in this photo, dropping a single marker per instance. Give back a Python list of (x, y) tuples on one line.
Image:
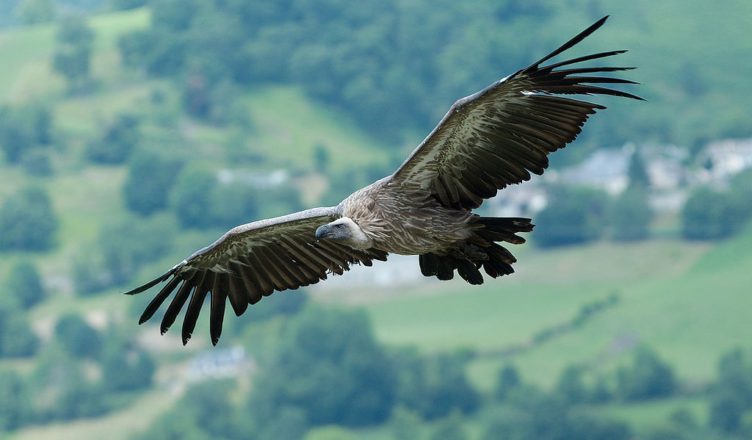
[(488, 140)]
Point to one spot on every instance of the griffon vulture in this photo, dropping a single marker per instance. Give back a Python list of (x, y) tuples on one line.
[(486, 141)]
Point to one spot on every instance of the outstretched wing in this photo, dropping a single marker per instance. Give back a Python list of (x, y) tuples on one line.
[(251, 261), (501, 134)]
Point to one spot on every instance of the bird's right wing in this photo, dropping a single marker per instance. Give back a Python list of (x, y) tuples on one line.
[(249, 262), (501, 134)]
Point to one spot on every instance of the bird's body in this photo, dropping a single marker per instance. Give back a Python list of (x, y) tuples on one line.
[(486, 141), (431, 227)]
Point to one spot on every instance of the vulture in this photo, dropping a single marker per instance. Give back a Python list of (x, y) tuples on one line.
[(486, 141)]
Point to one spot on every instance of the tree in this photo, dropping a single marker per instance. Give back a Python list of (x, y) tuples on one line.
[(206, 411), (741, 193), (321, 158), (232, 204), (191, 195), (434, 386), (16, 336), (571, 386), (637, 172), (125, 366), (15, 401), (36, 11), (117, 142), (648, 377), (288, 423), (349, 380), (726, 411), (72, 56), (27, 221), (24, 284), (541, 416), (572, 216), (682, 425), (149, 181), (509, 379), (68, 392), (24, 130), (710, 214), (77, 337), (731, 397), (631, 215)]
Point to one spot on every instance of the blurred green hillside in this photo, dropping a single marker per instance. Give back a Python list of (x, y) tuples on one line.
[(333, 96)]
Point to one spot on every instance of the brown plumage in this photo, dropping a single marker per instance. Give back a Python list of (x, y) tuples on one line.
[(486, 141)]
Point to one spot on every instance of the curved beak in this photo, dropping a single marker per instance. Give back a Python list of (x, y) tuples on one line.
[(322, 231)]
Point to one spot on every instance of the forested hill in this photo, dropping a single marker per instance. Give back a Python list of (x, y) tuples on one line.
[(396, 66)]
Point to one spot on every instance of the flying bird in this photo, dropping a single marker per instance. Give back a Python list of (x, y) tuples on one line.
[(486, 141)]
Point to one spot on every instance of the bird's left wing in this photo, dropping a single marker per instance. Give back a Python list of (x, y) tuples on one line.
[(249, 262), (498, 136)]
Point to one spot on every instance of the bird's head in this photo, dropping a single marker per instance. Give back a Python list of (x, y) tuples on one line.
[(346, 231)]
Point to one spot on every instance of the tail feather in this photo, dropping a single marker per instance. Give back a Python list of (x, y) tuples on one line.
[(480, 250), (445, 269), (469, 272)]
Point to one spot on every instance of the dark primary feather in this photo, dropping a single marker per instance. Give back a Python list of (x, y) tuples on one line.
[(502, 134), (249, 262)]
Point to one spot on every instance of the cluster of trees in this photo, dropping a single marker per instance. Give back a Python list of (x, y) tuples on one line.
[(116, 143), (731, 396), (26, 133), (577, 215), (711, 214), (341, 54), (328, 370), (28, 221), (81, 372), (391, 65), (164, 193), (72, 56), (196, 196), (21, 290)]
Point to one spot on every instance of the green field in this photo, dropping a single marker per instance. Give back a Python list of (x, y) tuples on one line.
[(116, 426), (687, 302), (29, 51)]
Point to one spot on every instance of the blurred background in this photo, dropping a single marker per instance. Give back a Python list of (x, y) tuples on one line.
[(133, 132)]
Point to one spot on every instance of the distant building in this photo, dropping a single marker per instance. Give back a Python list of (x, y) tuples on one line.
[(219, 363), (666, 166), (256, 179), (722, 159), (519, 200), (397, 270), (605, 169)]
